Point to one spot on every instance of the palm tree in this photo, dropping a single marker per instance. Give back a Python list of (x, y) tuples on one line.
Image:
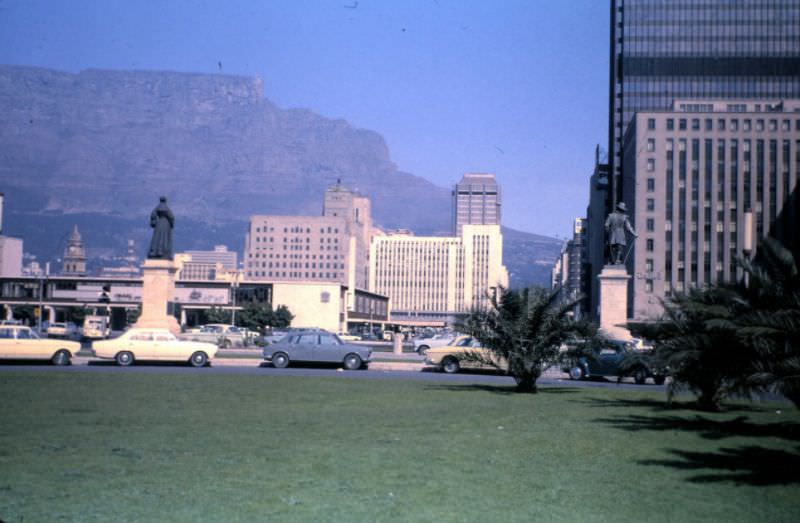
[(524, 331), (696, 343), (771, 322)]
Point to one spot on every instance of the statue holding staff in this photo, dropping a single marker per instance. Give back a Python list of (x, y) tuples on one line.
[(616, 225)]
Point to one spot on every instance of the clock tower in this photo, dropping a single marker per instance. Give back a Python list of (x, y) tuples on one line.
[(74, 255)]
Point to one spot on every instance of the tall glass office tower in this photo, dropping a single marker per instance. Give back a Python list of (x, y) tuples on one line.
[(662, 50)]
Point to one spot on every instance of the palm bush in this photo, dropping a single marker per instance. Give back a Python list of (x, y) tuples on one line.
[(523, 331), (771, 322), (696, 344)]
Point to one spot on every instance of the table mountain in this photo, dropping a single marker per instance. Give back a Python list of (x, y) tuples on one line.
[(98, 148)]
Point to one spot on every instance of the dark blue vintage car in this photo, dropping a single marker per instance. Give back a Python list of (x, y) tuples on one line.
[(607, 361)]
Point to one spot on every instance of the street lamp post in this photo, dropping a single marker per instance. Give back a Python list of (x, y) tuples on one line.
[(234, 286)]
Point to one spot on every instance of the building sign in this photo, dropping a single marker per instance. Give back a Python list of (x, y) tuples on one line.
[(204, 296)]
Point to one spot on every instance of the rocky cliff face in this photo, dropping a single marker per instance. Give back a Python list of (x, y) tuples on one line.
[(103, 145), (213, 144)]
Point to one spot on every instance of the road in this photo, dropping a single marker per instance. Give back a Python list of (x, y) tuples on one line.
[(377, 370)]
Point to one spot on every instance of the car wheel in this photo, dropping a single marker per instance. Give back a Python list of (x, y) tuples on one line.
[(422, 350), (61, 357), (124, 358), (280, 360), (352, 362), (450, 365), (576, 373), (659, 380), (639, 376), (198, 359)]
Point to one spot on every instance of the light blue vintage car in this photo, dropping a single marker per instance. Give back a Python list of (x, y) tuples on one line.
[(317, 346)]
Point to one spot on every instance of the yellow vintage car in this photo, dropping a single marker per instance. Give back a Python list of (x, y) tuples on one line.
[(454, 357), (22, 343), (156, 345)]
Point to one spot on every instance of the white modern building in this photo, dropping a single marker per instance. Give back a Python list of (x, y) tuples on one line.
[(436, 279)]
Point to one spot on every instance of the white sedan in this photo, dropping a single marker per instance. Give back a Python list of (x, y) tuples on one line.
[(20, 342), (156, 345)]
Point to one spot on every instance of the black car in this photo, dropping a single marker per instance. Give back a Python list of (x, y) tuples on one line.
[(608, 361)]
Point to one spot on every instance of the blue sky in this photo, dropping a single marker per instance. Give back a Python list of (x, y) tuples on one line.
[(517, 88)]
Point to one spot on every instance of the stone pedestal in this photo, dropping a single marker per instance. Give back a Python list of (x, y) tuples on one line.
[(614, 302), (397, 343), (158, 289)]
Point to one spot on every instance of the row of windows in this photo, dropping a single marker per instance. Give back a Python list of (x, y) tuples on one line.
[(722, 124), (297, 229), (294, 274)]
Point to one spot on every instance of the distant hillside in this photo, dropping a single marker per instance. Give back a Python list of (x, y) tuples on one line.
[(97, 148)]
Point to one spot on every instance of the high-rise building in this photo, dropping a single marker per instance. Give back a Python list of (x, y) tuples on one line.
[(663, 50), (74, 255), (697, 179), (332, 247), (436, 278), (476, 201)]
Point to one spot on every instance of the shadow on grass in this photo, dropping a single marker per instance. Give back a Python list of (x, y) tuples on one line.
[(656, 405), (751, 465), (705, 427), (505, 390)]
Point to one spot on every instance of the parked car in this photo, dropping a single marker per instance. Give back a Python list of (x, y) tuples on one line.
[(606, 361), (96, 327), (453, 357), (421, 345), (59, 329), (317, 346), (153, 344), (346, 336), (218, 333), (20, 342)]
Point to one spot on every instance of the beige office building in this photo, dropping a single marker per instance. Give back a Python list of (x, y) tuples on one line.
[(689, 177), (436, 278), (331, 248)]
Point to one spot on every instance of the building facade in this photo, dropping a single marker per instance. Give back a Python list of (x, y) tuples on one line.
[(663, 50), (476, 201), (332, 247), (206, 265), (693, 177), (74, 263), (438, 278)]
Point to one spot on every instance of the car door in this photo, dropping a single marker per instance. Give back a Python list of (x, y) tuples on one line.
[(328, 349), (141, 345), (29, 345), (8, 343), (166, 347), (303, 349), (609, 359)]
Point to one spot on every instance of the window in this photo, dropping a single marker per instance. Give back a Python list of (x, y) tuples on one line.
[(695, 124), (651, 164), (651, 124), (648, 265), (651, 204), (651, 184), (734, 125), (650, 245), (746, 125), (651, 144), (651, 225), (648, 286), (709, 124), (670, 124), (682, 124), (720, 125)]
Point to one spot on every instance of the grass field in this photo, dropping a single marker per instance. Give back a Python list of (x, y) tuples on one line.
[(123, 447)]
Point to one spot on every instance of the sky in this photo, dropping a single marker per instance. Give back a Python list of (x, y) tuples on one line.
[(515, 88)]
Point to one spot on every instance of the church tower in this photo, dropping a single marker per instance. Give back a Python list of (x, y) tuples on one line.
[(74, 255)]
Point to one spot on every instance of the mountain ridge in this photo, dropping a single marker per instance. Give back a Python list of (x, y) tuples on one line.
[(73, 143)]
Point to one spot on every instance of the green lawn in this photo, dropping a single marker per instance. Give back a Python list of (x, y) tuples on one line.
[(115, 447)]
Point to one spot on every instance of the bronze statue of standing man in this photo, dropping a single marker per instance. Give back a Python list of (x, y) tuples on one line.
[(616, 225), (162, 221)]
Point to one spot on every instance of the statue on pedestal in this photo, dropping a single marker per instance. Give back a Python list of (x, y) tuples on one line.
[(616, 225), (162, 221)]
